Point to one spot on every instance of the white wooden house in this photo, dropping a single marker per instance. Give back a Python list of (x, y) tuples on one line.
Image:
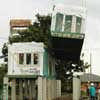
[(25, 59), (30, 59), (31, 73)]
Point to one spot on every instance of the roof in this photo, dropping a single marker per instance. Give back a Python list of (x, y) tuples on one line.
[(90, 77), (20, 23)]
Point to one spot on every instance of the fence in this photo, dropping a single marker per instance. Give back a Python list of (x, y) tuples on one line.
[(48, 89), (40, 88)]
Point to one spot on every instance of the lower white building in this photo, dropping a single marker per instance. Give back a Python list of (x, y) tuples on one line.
[(31, 73), (29, 58)]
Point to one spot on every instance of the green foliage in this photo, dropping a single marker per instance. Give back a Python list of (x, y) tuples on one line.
[(38, 32), (5, 49), (3, 71), (65, 70)]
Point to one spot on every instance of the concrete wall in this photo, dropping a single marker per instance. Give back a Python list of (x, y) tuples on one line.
[(76, 88)]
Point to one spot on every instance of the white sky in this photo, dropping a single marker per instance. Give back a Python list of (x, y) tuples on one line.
[(28, 8)]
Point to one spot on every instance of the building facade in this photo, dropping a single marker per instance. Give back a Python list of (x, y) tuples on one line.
[(31, 72), (17, 25), (30, 59)]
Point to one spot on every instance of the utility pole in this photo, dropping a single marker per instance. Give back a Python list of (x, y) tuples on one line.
[(90, 66)]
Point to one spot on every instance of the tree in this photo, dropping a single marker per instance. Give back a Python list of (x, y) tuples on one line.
[(65, 70), (5, 52), (5, 49), (39, 31), (3, 71)]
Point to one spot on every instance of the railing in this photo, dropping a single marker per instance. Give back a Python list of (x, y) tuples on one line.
[(68, 35)]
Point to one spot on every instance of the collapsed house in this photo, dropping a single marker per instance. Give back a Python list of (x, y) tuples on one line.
[(31, 73)]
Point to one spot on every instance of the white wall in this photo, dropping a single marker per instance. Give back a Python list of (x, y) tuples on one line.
[(14, 68), (76, 88)]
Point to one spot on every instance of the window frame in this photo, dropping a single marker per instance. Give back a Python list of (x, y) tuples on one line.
[(19, 59), (37, 58), (78, 19), (57, 27), (65, 20), (27, 59), (32, 64)]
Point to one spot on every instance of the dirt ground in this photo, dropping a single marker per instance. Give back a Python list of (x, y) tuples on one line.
[(63, 98)]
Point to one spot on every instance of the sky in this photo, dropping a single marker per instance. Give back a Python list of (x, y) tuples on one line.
[(27, 9)]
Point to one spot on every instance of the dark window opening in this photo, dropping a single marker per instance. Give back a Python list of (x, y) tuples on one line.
[(21, 58), (35, 58), (59, 22), (28, 58)]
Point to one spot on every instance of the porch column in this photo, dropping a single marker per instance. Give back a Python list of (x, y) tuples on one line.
[(26, 87), (13, 90), (20, 89), (33, 89), (44, 89), (30, 90), (76, 88), (40, 88)]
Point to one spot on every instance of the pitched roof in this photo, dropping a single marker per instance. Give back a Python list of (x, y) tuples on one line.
[(20, 22), (90, 77)]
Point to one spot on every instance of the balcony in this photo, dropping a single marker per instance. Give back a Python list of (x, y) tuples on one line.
[(68, 35)]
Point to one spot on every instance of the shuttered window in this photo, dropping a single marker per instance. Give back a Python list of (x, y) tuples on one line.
[(59, 22), (68, 23)]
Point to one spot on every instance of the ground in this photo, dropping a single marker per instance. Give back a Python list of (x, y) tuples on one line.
[(64, 98)]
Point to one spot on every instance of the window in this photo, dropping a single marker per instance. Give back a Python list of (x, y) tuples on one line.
[(21, 58), (68, 23), (36, 58), (28, 58), (59, 22), (78, 24), (53, 23)]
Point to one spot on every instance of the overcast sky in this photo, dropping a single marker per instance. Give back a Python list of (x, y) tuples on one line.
[(28, 8)]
